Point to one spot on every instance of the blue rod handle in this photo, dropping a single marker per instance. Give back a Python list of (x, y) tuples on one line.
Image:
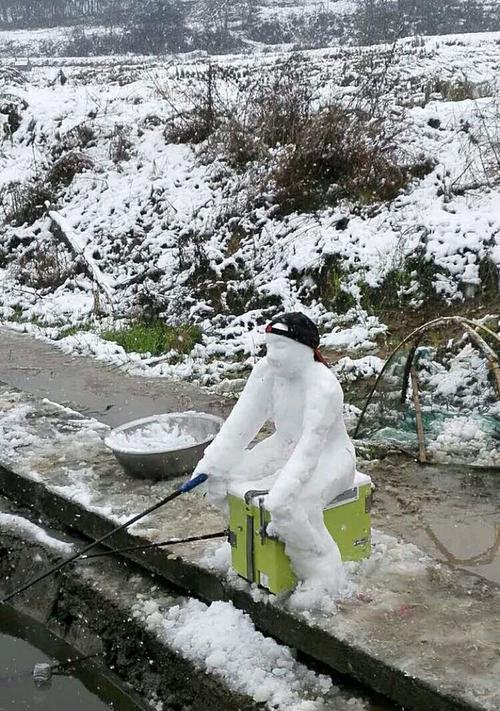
[(193, 483)]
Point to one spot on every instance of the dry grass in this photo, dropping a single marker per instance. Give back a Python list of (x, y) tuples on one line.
[(23, 203), (46, 266), (338, 154)]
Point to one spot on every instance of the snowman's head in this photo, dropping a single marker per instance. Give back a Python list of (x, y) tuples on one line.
[(286, 356), (292, 341)]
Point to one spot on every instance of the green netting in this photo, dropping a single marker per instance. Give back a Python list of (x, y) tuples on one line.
[(460, 409)]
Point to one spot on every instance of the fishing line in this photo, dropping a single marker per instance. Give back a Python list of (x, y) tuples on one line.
[(146, 546), (184, 488)]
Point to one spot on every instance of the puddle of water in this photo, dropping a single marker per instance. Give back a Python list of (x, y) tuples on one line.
[(23, 644), (452, 512)]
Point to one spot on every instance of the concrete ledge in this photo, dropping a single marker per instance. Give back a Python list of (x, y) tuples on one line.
[(91, 610), (418, 632)]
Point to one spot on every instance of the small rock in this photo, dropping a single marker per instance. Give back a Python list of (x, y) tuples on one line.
[(434, 123)]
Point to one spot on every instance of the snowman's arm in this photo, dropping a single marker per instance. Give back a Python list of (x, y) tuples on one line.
[(246, 419), (323, 406)]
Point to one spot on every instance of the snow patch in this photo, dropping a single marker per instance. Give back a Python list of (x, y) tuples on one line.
[(18, 524), (223, 641)]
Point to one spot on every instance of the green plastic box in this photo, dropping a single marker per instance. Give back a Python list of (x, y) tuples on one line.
[(261, 559)]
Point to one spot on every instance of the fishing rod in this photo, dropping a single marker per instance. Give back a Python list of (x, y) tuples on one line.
[(146, 546), (183, 489)]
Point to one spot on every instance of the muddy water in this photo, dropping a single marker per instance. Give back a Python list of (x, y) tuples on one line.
[(453, 513), (78, 687)]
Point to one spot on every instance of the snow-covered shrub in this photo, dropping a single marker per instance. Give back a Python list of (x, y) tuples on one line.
[(327, 281), (24, 202), (12, 107), (81, 136), (44, 266), (338, 153), (462, 89), (193, 127), (67, 166), (489, 275), (314, 154), (120, 144), (204, 111), (484, 138)]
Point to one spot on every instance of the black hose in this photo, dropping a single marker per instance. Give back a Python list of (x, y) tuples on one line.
[(187, 486)]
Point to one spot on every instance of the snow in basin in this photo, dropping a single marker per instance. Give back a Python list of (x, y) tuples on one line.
[(152, 437)]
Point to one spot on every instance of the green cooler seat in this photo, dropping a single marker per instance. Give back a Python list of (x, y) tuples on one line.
[(261, 559)]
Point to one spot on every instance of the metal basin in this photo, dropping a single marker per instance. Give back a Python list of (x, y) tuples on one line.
[(153, 460)]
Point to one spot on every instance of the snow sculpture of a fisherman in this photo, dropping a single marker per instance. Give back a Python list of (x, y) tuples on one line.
[(305, 464)]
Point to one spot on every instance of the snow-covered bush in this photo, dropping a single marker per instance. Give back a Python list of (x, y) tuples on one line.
[(24, 202), (338, 153), (62, 172), (44, 266), (314, 152)]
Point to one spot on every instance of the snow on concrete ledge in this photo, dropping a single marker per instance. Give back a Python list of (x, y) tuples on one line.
[(413, 629)]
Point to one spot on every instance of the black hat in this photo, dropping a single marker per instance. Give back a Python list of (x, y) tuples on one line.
[(298, 327)]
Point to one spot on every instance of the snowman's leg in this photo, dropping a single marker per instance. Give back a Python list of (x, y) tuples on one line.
[(328, 568), (314, 555), (292, 524), (298, 521)]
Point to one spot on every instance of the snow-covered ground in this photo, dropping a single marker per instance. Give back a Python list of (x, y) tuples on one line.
[(272, 10), (24, 44), (144, 206)]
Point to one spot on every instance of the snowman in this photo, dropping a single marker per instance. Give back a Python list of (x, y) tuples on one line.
[(307, 462)]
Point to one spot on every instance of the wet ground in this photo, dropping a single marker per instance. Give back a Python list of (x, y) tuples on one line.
[(451, 512), (402, 634), (75, 685), (93, 388)]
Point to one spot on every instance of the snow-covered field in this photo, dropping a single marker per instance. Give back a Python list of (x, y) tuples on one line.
[(24, 44), (281, 10), (162, 224)]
